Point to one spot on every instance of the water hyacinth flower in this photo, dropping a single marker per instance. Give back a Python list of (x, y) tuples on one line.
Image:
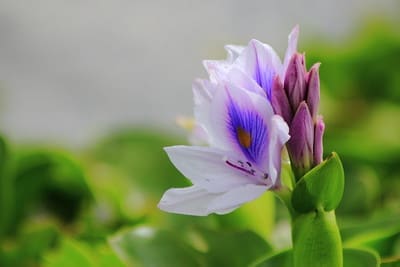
[(244, 138), (243, 159)]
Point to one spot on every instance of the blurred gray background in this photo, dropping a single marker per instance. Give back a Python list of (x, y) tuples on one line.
[(71, 70)]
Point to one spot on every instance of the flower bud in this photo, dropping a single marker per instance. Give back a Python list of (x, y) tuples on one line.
[(318, 140), (301, 143), (295, 80), (313, 94), (280, 101)]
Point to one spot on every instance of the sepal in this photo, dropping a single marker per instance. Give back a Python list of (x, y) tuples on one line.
[(321, 188)]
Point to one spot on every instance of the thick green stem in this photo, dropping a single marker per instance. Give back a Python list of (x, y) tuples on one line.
[(316, 240)]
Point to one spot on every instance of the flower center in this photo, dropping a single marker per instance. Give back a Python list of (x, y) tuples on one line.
[(243, 137)]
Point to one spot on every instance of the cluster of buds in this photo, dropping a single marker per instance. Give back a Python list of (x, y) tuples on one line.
[(297, 101)]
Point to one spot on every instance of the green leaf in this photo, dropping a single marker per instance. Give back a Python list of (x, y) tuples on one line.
[(281, 259), (321, 188), (51, 179), (7, 192), (391, 262), (257, 215), (75, 253), (232, 248), (362, 191), (360, 258), (379, 234), (71, 253), (351, 258), (146, 246)]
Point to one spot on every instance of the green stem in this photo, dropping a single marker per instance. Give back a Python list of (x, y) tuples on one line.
[(315, 235), (285, 195), (316, 240)]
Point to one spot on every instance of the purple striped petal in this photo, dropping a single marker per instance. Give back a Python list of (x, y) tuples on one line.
[(240, 123), (261, 63), (249, 130)]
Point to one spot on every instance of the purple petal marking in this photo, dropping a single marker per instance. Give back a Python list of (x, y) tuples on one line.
[(313, 92), (249, 131), (263, 75), (318, 140)]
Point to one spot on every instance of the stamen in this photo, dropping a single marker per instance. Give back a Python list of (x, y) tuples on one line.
[(251, 172), (248, 169)]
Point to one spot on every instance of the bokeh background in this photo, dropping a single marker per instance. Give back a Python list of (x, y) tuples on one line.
[(89, 94)]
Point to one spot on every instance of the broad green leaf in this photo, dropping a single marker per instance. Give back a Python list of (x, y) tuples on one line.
[(139, 153), (281, 259), (360, 258), (391, 262), (49, 179), (232, 248), (257, 215), (146, 246), (71, 253), (35, 238), (75, 253), (26, 249), (7, 190), (361, 192), (351, 258), (321, 188), (379, 234)]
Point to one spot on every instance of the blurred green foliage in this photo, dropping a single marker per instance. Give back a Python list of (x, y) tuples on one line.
[(97, 206)]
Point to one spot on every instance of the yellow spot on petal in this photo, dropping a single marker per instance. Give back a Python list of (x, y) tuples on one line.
[(243, 137)]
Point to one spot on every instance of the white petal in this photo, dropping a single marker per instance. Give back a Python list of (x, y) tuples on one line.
[(241, 79), (206, 168), (190, 200), (291, 49), (233, 52), (260, 58), (217, 69), (203, 92), (199, 136), (236, 197)]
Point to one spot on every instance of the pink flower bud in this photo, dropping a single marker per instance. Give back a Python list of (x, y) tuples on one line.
[(313, 94), (280, 101), (301, 143), (295, 80), (318, 140)]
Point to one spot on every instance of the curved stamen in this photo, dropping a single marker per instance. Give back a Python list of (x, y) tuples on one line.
[(248, 169)]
